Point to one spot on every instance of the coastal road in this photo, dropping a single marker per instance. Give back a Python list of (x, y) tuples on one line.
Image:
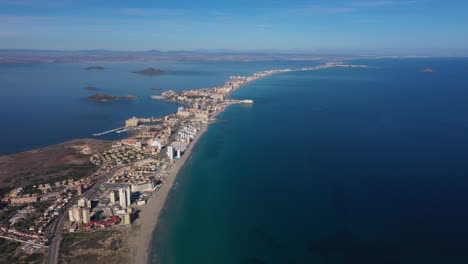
[(57, 229)]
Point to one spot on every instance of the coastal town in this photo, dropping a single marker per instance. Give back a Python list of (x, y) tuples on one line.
[(129, 175)]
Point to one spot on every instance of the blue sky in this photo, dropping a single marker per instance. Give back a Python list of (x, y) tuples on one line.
[(405, 26)]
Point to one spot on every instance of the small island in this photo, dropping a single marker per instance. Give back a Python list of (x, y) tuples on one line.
[(157, 88), (151, 71), (427, 70), (95, 68), (90, 88), (105, 97)]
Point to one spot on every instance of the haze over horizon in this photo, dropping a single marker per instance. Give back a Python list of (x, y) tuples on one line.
[(396, 27)]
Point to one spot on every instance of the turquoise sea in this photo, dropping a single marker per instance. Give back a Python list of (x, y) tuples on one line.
[(331, 166), (334, 166)]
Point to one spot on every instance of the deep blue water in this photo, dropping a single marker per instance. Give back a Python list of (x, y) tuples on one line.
[(44, 104), (332, 166)]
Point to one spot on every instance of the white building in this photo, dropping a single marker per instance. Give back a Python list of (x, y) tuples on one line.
[(170, 153), (157, 144), (75, 214), (178, 153), (112, 196), (86, 215), (129, 193), (124, 197)]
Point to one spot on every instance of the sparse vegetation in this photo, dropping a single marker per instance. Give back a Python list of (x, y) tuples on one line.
[(10, 253), (105, 246), (47, 165)]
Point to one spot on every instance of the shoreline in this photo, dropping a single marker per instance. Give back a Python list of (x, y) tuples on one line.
[(148, 220), (177, 131)]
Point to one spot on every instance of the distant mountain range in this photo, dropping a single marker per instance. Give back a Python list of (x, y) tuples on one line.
[(8, 56), (11, 56)]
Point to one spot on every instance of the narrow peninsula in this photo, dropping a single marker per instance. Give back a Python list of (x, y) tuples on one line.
[(112, 193)]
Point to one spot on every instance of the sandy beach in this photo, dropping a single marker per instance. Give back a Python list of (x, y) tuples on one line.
[(147, 222), (145, 225)]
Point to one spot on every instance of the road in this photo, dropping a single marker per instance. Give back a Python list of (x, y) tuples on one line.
[(57, 229)]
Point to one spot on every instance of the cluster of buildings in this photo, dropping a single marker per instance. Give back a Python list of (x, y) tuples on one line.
[(34, 208), (195, 114), (21, 214), (124, 152), (141, 161), (21, 235), (79, 214), (134, 167), (111, 207), (131, 169)]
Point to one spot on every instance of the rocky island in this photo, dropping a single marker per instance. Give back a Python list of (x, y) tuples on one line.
[(90, 88), (427, 70), (105, 97), (151, 71), (95, 68), (157, 88)]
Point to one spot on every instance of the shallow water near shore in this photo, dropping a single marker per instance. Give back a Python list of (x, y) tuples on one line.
[(329, 166)]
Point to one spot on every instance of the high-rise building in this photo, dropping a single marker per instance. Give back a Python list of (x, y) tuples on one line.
[(112, 196), (170, 153), (75, 214), (79, 189), (123, 198), (86, 215), (178, 153), (89, 203), (70, 215), (82, 202), (127, 219), (128, 192)]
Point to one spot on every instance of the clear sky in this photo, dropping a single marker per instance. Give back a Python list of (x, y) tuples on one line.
[(385, 25)]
